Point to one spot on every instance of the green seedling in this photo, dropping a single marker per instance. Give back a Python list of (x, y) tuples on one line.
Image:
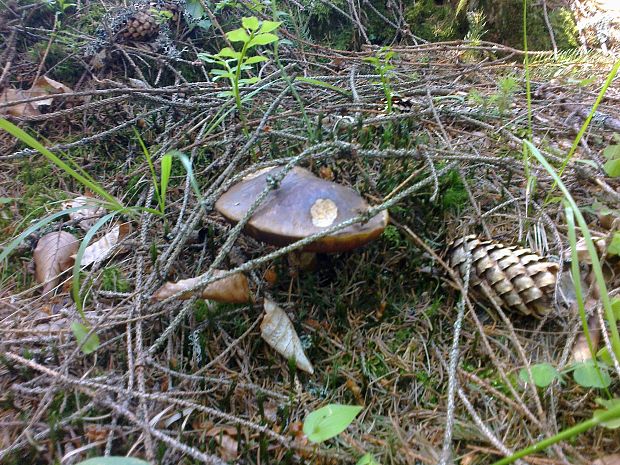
[(235, 63), (383, 67)]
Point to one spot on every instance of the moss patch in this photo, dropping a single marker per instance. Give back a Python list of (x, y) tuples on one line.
[(434, 20), (505, 21)]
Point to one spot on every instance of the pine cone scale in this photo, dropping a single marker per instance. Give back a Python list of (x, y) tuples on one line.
[(513, 277)]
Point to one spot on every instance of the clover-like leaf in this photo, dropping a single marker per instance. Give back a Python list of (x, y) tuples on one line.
[(329, 421), (586, 374), (543, 374), (608, 404)]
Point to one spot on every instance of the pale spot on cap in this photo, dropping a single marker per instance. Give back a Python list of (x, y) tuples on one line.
[(323, 213)]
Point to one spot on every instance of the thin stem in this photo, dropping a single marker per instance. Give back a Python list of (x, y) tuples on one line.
[(582, 427)]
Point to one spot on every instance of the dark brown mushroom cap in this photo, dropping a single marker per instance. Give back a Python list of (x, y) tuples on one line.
[(302, 205)]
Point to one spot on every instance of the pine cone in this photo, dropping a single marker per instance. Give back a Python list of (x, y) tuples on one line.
[(515, 278), (141, 26)]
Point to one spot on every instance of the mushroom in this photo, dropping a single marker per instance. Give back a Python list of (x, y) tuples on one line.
[(302, 205)]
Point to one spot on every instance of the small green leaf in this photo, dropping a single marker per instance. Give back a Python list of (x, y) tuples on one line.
[(89, 343), (254, 59), (194, 9), (252, 80), (221, 73), (614, 246), (612, 152), (367, 459), (238, 35), (4, 200), (585, 374), (166, 168), (603, 356), (187, 164), (113, 461), (269, 26), (263, 39), (250, 23), (208, 58), (615, 305), (590, 163), (204, 24), (329, 421), (542, 373), (608, 404), (228, 52), (372, 60), (612, 168)]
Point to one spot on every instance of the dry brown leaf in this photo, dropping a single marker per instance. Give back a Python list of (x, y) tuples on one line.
[(613, 459), (225, 437), (49, 86), (52, 256), (41, 87), (582, 250), (100, 249), (88, 215), (20, 109), (278, 331), (581, 350), (233, 289)]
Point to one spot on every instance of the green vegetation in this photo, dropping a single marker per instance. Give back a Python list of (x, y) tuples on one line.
[(253, 33)]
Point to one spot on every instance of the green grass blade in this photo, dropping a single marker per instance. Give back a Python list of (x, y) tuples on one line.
[(187, 164), (32, 142), (11, 246), (576, 278), (569, 433), (166, 169), (586, 123), (596, 265), (78, 260), (149, 161)]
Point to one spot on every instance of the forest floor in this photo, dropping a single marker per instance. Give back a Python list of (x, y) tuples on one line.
[(384, 326)]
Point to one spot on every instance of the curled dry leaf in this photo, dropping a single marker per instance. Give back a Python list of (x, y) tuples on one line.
[(225, 437), (45, 84), (20, 109), (101, 248), (613, 459), (278, 331), (581, 351), (88, 215), (582, 250), (53, 255), (233, 289), (41, 87)]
